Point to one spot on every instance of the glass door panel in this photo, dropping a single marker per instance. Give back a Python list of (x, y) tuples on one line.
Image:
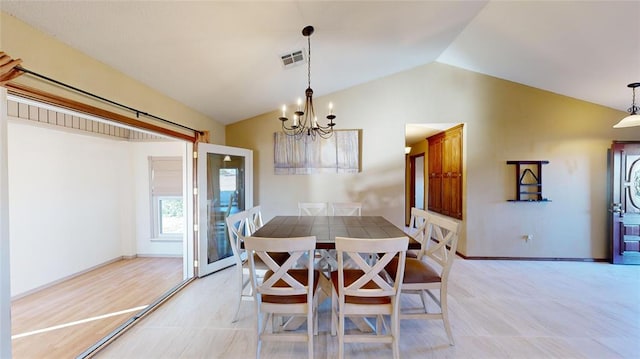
[(225, 186)]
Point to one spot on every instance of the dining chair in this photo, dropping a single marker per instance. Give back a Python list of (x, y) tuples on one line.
[(254, 219), (237, 228), (366, 291), (430, 271), (312, 209), (346, 209), (417, 226), (284, 291)]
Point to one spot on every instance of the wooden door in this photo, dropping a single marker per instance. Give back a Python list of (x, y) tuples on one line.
[(434, 164), (625, 203)]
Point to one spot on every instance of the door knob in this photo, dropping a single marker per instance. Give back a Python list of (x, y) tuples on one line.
[(616, 208)]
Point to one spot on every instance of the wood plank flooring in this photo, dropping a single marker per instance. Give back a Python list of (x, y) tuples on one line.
[(118, 286), (499, 309)]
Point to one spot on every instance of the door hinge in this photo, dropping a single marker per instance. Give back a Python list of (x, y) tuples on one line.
[(195, 191), (195, 227), (195, 154), (195, 264)]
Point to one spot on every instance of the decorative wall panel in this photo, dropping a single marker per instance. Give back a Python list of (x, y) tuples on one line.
[(338, 154)]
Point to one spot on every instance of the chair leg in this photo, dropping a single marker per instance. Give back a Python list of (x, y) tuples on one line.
[(310, 332), (334, 312), (341, 335), (423, 297), (445, 315), (379, 324), (241, 281), (315, 318), (259, 321), (395, 332)]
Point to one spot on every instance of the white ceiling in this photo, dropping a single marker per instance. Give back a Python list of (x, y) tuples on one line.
[(222, 58)]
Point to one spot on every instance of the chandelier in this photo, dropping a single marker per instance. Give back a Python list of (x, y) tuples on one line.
[(634, 118), (305, 122)]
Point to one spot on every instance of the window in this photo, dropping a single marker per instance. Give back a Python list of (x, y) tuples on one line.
[(228, 185), (168, 221), (170, 216)]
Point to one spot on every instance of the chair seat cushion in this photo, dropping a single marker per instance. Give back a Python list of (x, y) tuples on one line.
[(413, 253), (415, 271), (350, 276), (301, 275)]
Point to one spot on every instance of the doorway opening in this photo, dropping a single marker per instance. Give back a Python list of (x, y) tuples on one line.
[(80, 206)]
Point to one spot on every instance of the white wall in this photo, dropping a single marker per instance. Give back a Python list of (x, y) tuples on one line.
[(77, 201), (65, 199), (145, 243)]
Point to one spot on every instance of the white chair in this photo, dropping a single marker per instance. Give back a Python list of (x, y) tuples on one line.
[(237, 228), (312, 209), (417, 226), (254, 219), (284, 291), (367, 290), (346, 209), (430, 271)]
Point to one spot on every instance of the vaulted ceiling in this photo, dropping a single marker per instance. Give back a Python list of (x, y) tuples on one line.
[(222, 58)]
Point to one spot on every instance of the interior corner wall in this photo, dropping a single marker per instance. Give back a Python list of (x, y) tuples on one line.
[(146, 245), (65, 200), (503, 121), (48, 56)]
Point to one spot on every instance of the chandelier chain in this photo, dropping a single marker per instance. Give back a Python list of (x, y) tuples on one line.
[(309, 62), (633, 109)]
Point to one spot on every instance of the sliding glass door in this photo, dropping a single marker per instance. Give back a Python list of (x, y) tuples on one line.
[(225, 186)]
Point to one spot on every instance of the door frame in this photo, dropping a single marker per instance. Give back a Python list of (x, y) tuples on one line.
[(617, 200), (412, 180), (203, 149)]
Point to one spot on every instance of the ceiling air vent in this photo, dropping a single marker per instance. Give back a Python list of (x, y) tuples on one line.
[(292, 59)]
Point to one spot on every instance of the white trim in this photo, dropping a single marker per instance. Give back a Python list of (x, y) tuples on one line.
[(5, 277)]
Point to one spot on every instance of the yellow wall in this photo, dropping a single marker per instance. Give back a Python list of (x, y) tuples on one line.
[(47, 56), (503, 121)]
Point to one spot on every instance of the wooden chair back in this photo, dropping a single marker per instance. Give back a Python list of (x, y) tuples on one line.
[(254, 219), (312, 209), (346, 209)]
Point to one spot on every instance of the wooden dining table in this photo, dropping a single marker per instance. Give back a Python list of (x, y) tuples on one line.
[(327, 228)]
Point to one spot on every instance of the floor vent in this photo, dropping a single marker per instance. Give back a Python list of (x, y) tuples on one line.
[(292, 59)]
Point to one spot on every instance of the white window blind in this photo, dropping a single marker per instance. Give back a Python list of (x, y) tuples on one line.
[(166, 176)]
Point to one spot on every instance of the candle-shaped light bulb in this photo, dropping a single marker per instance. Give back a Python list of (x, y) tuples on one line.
[(284, 110), (331, 108), (295, 120), (315, 122), (299, 103)]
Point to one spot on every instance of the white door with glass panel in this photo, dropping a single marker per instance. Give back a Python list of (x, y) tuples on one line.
[(225, 186)]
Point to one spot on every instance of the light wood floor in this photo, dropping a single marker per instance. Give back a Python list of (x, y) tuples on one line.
[(118, 286), (499, 309)]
